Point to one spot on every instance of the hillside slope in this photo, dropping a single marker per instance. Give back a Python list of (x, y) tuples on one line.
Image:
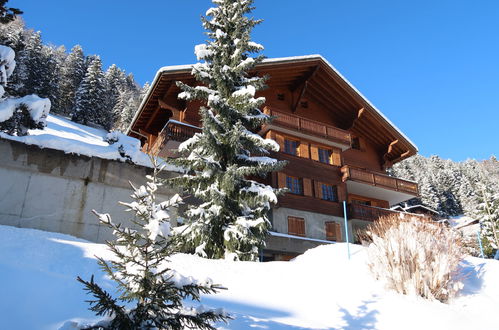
[(321, 289)]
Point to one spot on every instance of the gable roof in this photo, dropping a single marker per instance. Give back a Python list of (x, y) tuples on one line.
[(328, 87)]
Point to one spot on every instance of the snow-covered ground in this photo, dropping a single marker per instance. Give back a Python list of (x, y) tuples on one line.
[(70, 137), (318, 290)]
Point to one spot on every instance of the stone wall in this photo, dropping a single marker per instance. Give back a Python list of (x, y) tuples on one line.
[(49, 190)]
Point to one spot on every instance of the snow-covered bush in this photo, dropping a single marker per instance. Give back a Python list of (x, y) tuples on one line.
[(17, 115), (415, 256), (144, 276)]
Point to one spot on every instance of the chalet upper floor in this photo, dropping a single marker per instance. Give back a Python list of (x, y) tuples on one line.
[(328, 131)]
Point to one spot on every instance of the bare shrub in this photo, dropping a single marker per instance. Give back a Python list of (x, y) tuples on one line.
[(415, 256)]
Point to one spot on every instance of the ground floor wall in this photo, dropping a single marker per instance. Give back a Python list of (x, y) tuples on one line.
[(315, 223), (49, 190)]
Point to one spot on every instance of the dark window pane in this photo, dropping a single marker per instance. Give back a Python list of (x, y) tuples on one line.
[(295, 185), (324, 155), (329, 193), (291, 147), (356, 143)]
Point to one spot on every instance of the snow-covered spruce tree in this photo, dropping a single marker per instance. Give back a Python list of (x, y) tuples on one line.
[(488, 214), (116, 86), (91, 98), (7, 14), (231, 220), (72, 73), (141, 269), (124, 110)]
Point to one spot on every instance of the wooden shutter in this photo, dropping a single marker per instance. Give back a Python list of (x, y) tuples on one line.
[(303, 150), (336, 157), (338, 232), (281, 180), (307, 187), (318, 189), (280, 141), (333, 231), (330, 231), (314, 151), (296, 226)]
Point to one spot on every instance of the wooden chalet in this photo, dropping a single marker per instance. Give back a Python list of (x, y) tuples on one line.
[(337, 143)]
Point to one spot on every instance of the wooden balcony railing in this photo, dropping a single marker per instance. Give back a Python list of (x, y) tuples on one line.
[(378, 179), (371, 213), (173, 131), (309, 126)]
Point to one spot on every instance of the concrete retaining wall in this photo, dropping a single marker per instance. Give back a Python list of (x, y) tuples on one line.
[(49, 190)]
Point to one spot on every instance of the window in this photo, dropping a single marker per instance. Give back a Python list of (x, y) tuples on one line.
[(325, 155), (333, 231), (295, 185), (296, 226), (329, 192), (361, 202), (356, 143), (291, 147)]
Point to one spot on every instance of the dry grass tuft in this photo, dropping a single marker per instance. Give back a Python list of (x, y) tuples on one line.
[(415, 256)]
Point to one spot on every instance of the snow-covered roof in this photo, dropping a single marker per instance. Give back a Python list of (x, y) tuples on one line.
[(186, 67), (420, 206), (461, 221)]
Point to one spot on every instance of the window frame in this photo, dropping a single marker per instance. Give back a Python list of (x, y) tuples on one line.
[(327, 193), (294, 182), (321, 150), (290, 150)]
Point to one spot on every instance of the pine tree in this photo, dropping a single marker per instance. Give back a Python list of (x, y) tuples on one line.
[(116, 86), (72, 73), (232, 220), (487, 211), (141, 269), (90, 103), (7, 14), (52, 58), (128, 103)]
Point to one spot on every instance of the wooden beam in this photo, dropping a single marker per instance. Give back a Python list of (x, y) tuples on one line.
[(360, 113), (402, 157), (153, 116), (386, 161), (297, 103), (390, 146), (304, 79), (303, 82), (162, 104)]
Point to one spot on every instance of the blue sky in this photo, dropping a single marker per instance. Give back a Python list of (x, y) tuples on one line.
[(432, 67)]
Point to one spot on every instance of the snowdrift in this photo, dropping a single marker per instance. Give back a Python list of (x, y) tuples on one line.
[(321, 289), (70, 137)]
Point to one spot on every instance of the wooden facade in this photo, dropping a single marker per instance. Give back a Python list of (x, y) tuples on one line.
[(332, 137)]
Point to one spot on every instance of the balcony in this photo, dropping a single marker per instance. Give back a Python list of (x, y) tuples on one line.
[(377, 185), (371, 213), (292, 124), (170, 137)]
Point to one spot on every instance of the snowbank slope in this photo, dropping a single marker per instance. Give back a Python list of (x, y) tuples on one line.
[(321, 289), (70, 137)]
